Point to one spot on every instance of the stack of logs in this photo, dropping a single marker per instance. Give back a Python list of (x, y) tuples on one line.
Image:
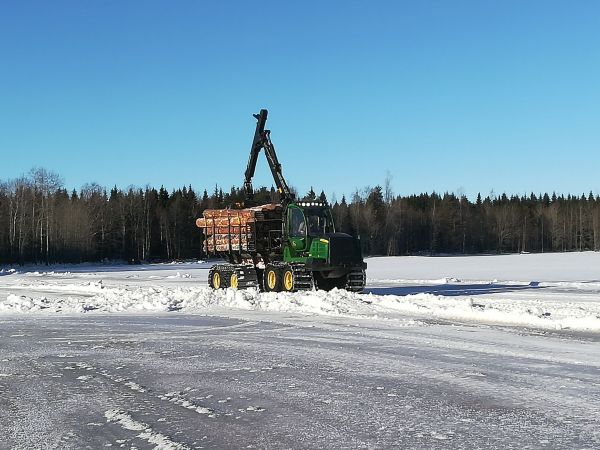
[(232, 229)]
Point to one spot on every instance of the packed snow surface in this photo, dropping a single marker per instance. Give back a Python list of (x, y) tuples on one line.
[(544, 291)]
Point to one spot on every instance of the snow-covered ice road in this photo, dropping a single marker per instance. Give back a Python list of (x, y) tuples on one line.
[(454, 352), (214, 382)]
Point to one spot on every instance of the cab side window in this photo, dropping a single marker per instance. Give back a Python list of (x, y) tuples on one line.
[(297, 223), (314, 225)]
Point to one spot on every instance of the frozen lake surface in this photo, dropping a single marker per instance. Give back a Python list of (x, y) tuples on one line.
[(440, 353)]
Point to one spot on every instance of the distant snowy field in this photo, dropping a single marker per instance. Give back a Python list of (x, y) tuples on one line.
[(542, 291)]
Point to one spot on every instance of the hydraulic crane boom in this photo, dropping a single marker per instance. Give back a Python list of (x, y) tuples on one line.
[(262, 140)]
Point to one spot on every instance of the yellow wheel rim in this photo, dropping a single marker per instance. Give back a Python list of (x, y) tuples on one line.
[(288, 280), (233, 281), (271, 279), (217, 280)]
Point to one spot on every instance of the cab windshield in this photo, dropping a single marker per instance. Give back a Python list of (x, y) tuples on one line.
[(318, 220)]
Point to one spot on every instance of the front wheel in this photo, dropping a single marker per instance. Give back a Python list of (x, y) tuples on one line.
[(288, 279)]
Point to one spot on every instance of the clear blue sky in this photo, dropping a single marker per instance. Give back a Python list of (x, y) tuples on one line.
[(445, 95)]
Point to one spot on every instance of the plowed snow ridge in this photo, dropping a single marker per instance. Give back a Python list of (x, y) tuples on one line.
[(571, 302), (583, 316)]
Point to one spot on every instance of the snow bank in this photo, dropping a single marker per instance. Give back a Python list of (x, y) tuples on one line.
[(159, 299), (581, 316), (545, 291)]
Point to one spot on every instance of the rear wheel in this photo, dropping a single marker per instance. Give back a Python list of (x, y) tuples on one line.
[(236, 276), (272, 278), (233, 280), (216, 279)]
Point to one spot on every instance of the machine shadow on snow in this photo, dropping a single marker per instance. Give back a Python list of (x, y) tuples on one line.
[(453, 290)]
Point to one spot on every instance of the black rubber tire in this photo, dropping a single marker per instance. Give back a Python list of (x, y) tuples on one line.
[(272, 278), (285, 273), (223, 278)]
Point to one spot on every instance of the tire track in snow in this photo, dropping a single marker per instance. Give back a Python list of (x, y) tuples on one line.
[(122, 417), (176, 398), (159, 440)]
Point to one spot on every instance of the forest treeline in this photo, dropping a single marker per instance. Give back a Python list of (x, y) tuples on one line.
[(42, 222)]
